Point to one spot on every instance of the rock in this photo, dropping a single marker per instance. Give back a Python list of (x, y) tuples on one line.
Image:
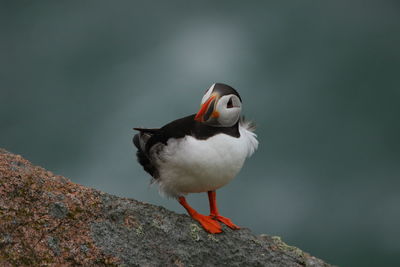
[(58, 210), (45, 219)]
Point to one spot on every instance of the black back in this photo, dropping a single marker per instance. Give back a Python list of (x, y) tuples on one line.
[(188, 126), (177, 129)]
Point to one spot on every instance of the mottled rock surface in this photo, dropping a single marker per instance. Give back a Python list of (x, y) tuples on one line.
[(45, 219)]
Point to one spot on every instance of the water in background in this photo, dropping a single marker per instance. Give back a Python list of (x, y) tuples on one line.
[(320, 79)]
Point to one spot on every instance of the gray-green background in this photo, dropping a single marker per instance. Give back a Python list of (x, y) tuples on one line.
[(320, 78)]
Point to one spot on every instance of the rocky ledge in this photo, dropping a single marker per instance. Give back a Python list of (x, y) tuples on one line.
[(45, 219)]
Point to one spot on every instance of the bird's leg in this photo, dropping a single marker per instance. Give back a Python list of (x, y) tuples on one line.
[(207, 222), (212, 197)]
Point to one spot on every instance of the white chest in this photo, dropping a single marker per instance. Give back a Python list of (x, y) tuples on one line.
[(189, 165)]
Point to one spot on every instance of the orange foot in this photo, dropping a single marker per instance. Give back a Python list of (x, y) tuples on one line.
[(226, 221), (208, 223)]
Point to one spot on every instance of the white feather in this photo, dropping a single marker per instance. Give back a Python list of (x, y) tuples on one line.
[(247, 128), (207, 94), (188, 165)]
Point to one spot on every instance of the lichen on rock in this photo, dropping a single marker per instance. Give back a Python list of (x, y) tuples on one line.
[(45, 219)]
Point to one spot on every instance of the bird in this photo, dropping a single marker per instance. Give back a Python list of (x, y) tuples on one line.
[(200, 152)]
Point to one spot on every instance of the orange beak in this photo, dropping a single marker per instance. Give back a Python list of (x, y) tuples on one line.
[(200, 115)]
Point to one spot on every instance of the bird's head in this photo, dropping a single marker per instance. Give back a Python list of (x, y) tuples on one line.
[(221, 106)]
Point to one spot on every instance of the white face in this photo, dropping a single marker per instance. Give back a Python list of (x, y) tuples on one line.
[(228, 108), (217, 110)]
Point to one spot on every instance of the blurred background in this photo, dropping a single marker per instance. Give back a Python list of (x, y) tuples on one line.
[(321, 80)]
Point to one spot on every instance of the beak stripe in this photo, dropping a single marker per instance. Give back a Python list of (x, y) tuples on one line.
[(200, 115), (210, 110)]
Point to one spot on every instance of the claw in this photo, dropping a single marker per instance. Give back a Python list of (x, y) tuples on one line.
[(226, 221), (208, 223)]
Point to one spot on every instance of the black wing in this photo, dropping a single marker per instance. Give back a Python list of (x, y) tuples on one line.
[(180, 128), (142, 157), (188, 126)]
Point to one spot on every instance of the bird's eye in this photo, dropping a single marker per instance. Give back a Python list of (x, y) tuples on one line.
[(229, 104)]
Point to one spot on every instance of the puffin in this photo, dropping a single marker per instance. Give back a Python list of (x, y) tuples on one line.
[(199, 153)]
